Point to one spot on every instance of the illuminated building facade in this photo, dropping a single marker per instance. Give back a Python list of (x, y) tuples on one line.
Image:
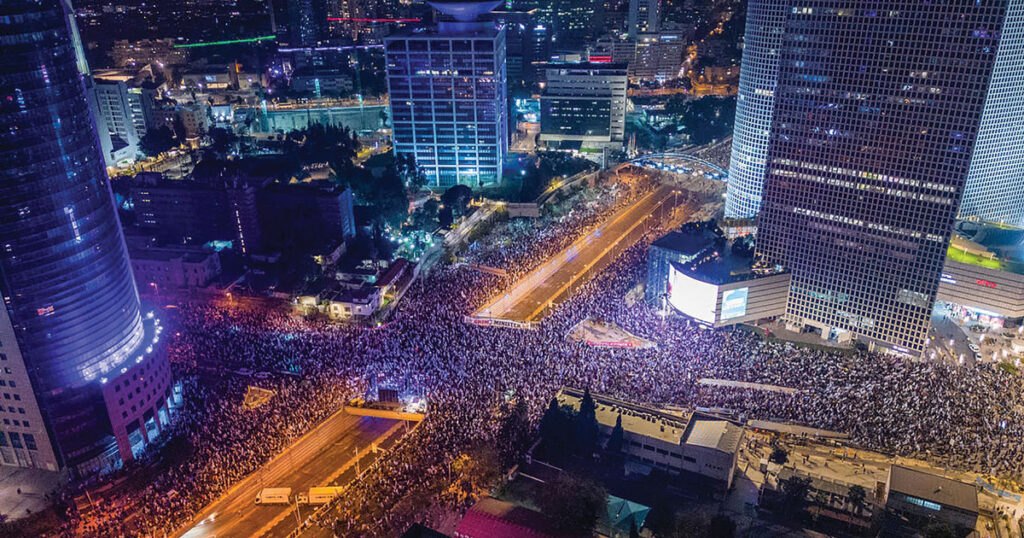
[(643, 17), (72, 329), (877, 111), (584, 103), (995, 182), (755, 102), (307, 22), (448, 96)]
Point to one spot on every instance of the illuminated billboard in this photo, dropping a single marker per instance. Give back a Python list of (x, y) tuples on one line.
[(690, 296), (734, 303)]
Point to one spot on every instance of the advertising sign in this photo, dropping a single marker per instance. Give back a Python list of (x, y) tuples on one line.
[(692, 297), (734, 303)]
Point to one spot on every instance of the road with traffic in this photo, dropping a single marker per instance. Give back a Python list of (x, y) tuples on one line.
[(324, 456), (526, 300)]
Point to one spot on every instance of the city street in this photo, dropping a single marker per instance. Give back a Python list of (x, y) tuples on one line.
[(526, 300), (317, 459)]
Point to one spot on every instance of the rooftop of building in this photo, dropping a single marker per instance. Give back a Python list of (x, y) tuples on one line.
[(357, 295), (934, 488), (587, 66), (686, 243), (166, 254), (709, 431), (479, 30), (395, 271), (990, 245), (717, 260), (491, 518), (697, 429)]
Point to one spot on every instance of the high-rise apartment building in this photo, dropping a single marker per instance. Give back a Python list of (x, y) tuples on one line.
[(449, 108), (659, 57), (307, 22), (124, 111), (83, 385), (879, 109), (584, 103), (643, 17)]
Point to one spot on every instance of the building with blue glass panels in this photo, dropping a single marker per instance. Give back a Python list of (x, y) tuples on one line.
[(448, 97), (72, 327)]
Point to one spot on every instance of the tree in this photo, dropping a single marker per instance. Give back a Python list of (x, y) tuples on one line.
[(721, 526), (445, 218), (221, 139), (587, 429), (411, 174), (514, 433), (795, 491), (616, 439), (156, 141), (779, 456), (457, 197), (939, 530), (856, 496), (573, 503)]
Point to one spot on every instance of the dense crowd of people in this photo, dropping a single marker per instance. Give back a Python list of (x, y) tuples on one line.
[(970, 417)]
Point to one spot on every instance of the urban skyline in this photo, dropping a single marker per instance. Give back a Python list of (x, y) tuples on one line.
[(474, 268)]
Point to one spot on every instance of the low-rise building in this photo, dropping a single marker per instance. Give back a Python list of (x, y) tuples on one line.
[(352, 303), (167, 269), (701, 446), (717, 282), (826, 498), (914, 499), (983, 276), (322, 82)]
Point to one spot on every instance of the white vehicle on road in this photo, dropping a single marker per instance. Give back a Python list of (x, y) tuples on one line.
[(273, 496), (321, 495)]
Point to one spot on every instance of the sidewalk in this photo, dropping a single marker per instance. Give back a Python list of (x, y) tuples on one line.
[(33, 483)]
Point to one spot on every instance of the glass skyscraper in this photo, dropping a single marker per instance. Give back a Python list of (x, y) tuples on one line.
[(995, 183), (755, 101), (448, 96), (72, 318), (877, 112)]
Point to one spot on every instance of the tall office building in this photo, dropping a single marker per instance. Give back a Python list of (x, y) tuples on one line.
[(878, 111), (643, 17), (449, 108), (995, 180), (755, 102), (83, 387), (584, 104)]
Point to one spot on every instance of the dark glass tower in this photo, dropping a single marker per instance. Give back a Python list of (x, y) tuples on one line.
[(876, 116), (64, 273)]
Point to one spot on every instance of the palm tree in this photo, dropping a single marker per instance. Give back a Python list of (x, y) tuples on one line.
[(856, 496)]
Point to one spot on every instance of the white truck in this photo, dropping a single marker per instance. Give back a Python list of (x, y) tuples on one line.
[(273, 496), (321, 495)]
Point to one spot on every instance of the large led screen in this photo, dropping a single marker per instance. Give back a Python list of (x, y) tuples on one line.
[(734, 303), (692, 297)]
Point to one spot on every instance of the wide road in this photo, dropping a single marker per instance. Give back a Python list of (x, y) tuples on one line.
[(526, 300), (316, 459)]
